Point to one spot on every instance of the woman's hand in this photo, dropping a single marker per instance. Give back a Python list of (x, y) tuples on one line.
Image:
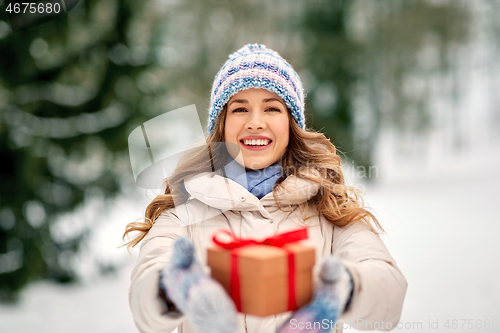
[(329, 301), (198, 296)]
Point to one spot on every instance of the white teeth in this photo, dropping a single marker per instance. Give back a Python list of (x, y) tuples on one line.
[(259, 142)]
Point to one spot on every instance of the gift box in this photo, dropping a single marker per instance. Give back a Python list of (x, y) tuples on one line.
[(264, 277)]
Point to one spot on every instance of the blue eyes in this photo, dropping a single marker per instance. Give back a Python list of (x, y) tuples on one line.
[(244, 110)]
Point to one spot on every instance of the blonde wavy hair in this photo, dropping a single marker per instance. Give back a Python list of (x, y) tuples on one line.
[(307, 150)]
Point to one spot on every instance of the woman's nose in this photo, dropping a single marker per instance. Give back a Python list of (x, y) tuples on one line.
[(256, 121)]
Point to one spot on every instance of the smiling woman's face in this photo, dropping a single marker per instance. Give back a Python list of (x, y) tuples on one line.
[(257, 122)]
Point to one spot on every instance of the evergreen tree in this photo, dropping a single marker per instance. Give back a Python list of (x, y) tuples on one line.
[(67, 97)]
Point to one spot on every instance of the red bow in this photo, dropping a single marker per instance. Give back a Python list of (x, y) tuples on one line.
[(279, 241)]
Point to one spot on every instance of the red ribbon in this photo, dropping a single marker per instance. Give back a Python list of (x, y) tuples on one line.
[(279, 241)]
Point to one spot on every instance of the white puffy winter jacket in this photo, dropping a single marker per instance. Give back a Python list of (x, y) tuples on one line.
[(379, 285)]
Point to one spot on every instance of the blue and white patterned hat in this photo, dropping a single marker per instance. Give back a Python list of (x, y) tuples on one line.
[(256, 66)]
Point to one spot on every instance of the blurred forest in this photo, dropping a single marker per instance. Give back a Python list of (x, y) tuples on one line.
[(72, 90)]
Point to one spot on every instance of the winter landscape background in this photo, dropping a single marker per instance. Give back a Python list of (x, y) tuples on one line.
[(438, 208), (433, 190)]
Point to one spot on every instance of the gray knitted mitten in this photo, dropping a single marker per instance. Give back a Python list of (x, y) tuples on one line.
[(202, 299), (330, 300)]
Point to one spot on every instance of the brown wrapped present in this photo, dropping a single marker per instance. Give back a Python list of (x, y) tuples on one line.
[(264, 277)]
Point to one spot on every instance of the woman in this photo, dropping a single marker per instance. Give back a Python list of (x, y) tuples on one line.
[(293, 179)]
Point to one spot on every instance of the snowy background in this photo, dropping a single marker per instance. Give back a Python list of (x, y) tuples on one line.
[(437, 204), (438, 209)]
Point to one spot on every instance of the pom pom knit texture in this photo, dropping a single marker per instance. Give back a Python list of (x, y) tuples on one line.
[(256, 66)]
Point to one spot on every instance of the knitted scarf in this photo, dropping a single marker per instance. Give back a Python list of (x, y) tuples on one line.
[(258, 182)]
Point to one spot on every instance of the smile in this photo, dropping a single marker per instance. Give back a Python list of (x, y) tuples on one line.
[(259, 144)]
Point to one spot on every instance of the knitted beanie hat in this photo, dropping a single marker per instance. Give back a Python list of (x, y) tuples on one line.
[(256, 66)]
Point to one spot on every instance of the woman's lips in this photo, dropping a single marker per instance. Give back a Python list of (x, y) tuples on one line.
[(256, 148)]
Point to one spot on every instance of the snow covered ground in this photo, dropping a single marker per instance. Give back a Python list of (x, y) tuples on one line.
[(94, 304), (101, 306)]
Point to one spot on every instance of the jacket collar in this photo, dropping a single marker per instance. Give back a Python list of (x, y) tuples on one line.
[(220, 192)]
